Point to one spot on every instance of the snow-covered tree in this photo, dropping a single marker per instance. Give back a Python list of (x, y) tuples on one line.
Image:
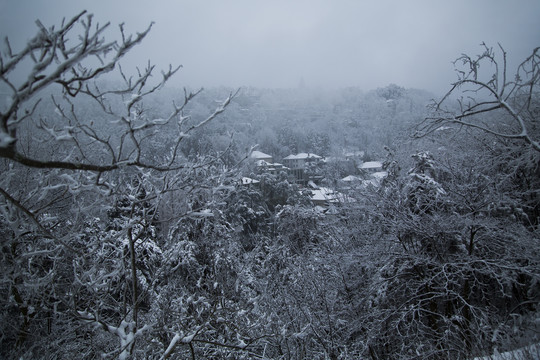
[(450, 260), (511, 99), (86, 165)]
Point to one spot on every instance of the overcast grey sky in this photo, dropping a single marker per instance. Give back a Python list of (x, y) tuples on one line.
[(275, 43)]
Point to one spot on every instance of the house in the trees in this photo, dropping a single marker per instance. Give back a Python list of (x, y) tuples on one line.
[(373, 172), (371, 166), (265, 163), (299, 163), (349, 182), (324, 197), (260, 156), (272, 168)]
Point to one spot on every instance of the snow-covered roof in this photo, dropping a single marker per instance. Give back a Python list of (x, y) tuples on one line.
[(371, 165), (322, 194), (303, 156), (259, 155), (246, 181), (329, 195), (379, 175)]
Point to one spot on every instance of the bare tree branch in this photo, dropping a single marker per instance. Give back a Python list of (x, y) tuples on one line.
[(490, 93)]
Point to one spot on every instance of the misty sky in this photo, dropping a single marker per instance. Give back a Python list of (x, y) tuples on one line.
[(276, 43)]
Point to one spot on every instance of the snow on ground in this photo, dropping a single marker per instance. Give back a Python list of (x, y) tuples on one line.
[(531, 352)]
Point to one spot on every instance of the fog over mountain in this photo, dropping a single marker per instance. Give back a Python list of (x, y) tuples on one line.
[(278, 44)]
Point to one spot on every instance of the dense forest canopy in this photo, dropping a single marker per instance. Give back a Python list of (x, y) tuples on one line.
[(137, 222)]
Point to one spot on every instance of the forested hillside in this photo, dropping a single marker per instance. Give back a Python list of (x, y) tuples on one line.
[(127, 230)]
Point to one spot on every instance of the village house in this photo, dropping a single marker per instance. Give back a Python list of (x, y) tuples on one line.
[(297, 165), (266, 162), (373, 172), (324, 197), (371, 166), (260, 156)]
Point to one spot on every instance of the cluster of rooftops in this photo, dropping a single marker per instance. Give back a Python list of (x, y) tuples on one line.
[(296, 164)]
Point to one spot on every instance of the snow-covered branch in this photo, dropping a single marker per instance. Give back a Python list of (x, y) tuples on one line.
[(59, 60), (479, 94), (126, 332)]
